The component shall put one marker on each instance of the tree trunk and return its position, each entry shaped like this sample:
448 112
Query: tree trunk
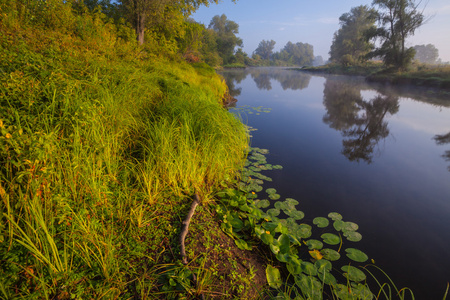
140 28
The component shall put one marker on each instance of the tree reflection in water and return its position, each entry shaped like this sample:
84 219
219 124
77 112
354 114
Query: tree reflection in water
442 140
360 121
288 80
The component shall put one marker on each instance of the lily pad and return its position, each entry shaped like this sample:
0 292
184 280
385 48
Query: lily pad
308 268
335 216
353 236
323 265
273 277
281 205
353 274
311 288
321 222
271 191
314 244
356 255
330 254
291 202
338 225
262 203
277 167
350 226
327 278
274 196
330 238
273 212
304 231
295 214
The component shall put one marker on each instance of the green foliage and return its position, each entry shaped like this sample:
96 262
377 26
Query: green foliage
100 145
226 38
351 43
427 54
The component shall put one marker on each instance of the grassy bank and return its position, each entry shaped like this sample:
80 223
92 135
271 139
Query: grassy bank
429 76
102 145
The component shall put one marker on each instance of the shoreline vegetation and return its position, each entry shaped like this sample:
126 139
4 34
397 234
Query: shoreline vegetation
418 75
103 144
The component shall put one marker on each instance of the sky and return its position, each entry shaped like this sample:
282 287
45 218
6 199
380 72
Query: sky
315 21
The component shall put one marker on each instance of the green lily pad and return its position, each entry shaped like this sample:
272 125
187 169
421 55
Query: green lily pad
273 277
311 288
270 226
330 238
308 268
350 226
295 214
323 265
303 231
321 222
294 268
338 225
277 167
356 255
353 274
314 244
353 236
262 203
362 291
291 203
281 205
273 212
327 278
271 191
284 243
274 196
335 216
330 254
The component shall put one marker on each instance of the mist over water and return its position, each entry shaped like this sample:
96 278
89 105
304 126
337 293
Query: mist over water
378 155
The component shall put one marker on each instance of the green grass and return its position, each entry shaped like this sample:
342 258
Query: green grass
101 147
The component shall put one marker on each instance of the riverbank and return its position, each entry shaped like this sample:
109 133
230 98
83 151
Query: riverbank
102 148
419 75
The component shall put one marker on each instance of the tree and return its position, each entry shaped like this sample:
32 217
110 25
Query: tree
351 43
226 36
398 19
299 54
426 53
265 49
144 14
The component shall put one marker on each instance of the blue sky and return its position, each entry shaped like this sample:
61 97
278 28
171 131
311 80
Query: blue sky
315 21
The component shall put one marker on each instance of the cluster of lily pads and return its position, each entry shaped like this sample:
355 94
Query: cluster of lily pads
311 252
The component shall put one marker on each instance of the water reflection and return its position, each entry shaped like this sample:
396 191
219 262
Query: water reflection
263 79
442 140
361 122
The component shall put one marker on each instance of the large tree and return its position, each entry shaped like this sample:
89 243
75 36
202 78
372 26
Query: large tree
351 43
265 49
426 53
226 36
144 14
299 54
399 19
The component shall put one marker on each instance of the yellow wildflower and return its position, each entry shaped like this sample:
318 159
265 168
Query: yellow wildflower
8 135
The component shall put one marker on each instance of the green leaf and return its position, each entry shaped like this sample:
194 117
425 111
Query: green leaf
353 274
275 249
281 205
234 220
284 243
277 167
308 268
262 203
267 238
274 196
283 257
321 222
330 238
338 225
323 265
294 268
314 244
310 286
273 212
327 278
273 277
291 203
242 244
356 255
362 291
270 226
350 226
295 214
271 191
353 236
330 254
335 216
304 231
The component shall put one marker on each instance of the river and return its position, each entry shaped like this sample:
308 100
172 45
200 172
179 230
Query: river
379 155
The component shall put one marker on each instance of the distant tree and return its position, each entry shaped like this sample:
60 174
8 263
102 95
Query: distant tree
318 61
226 36
299 54
428 54
265 49
351 44
398 19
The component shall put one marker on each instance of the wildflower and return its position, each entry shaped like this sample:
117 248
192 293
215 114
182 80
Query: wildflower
1 123
253 193
268 232
8 135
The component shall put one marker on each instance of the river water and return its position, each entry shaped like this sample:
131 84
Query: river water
378 155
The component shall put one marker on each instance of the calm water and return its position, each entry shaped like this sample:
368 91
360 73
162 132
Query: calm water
379 156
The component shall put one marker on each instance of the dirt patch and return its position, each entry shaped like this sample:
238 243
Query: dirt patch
225 271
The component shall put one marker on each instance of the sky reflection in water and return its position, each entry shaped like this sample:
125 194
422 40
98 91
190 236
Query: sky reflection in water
372 153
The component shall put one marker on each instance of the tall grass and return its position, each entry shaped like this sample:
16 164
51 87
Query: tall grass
96 137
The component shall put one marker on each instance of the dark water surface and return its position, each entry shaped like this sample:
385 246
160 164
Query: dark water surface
378 156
